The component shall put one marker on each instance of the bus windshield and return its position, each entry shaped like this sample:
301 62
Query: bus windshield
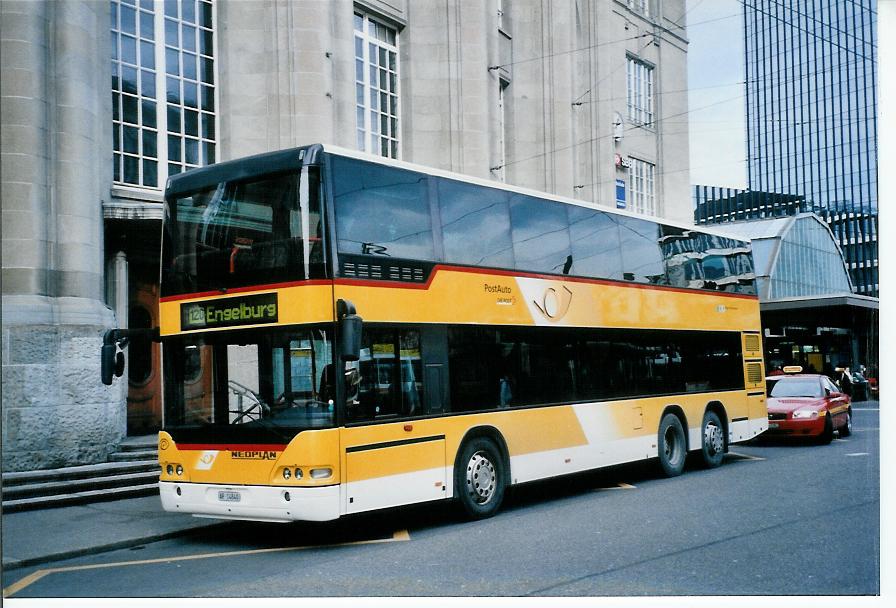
266 229
263 380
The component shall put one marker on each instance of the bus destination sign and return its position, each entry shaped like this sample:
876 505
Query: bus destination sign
229 312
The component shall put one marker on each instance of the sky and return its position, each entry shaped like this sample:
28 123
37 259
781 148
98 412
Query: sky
716 98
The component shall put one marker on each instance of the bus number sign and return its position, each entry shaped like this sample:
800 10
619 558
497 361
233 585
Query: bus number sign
229 312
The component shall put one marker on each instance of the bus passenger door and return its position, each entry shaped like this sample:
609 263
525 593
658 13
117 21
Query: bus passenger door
392 455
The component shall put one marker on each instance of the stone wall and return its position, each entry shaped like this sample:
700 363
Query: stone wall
56 412
55 171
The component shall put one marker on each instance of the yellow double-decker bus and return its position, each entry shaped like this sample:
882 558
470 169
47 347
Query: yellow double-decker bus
343 333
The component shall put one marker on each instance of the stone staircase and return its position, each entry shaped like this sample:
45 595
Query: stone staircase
132 471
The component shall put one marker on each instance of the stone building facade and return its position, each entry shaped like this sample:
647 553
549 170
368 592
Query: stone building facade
103 99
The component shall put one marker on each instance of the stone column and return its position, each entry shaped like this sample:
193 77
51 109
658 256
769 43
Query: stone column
285 75
56 170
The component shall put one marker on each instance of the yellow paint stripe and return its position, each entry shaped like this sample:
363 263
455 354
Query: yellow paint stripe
19 585
398 536
745 456
619 486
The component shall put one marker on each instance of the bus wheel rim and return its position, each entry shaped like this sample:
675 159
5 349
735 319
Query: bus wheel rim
481 478
712 436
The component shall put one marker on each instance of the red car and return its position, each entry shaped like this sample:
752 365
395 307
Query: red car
807 405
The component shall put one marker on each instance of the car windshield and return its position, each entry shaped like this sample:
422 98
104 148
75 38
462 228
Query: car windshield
794 387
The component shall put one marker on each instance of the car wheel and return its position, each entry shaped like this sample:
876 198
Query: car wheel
712 440
846 429
480 478
672 446
828 433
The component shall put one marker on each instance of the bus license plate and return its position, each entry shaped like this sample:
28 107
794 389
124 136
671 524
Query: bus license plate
226 496
772 425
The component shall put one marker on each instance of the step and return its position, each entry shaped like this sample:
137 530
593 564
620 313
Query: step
73 486
79 472
137 455
137 444
61 500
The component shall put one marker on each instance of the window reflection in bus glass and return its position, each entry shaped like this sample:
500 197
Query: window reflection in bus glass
640 244
540 234
475 225
400 227
242 233
594 236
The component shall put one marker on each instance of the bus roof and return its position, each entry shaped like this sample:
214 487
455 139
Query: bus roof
295 158
331 149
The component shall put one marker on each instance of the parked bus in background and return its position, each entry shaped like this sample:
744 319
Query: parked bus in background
343 333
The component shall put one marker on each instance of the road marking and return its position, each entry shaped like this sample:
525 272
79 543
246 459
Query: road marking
397 536
857 454
619 486
866 430
744 456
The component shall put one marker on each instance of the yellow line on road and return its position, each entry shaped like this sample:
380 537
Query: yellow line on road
745 456
19 585
619 486
398 536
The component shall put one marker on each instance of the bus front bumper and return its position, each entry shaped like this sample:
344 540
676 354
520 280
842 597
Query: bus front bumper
256 503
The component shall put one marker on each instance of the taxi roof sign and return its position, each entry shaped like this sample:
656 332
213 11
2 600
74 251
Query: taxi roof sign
793 369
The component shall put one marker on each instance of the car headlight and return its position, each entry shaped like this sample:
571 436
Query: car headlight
805 414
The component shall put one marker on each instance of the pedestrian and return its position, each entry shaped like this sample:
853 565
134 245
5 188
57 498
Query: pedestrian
846 382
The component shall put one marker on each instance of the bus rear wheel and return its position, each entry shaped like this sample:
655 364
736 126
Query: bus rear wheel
480 478
672 446
712 439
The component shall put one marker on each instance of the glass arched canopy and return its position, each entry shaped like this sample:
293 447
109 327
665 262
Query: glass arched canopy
794 257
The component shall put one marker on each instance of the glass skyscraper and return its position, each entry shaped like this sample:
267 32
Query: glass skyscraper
811 100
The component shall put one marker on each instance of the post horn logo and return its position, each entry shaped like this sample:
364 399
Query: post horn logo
554 303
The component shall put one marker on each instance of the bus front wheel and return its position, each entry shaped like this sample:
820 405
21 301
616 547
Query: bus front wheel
480 478
672 446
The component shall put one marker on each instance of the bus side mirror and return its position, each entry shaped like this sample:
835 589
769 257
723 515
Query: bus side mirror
111 360
108 363
111 363
350 337
350 325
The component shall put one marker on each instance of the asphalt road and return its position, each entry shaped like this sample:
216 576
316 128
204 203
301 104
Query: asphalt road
776 519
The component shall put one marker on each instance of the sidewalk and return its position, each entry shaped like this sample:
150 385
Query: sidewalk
38 537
